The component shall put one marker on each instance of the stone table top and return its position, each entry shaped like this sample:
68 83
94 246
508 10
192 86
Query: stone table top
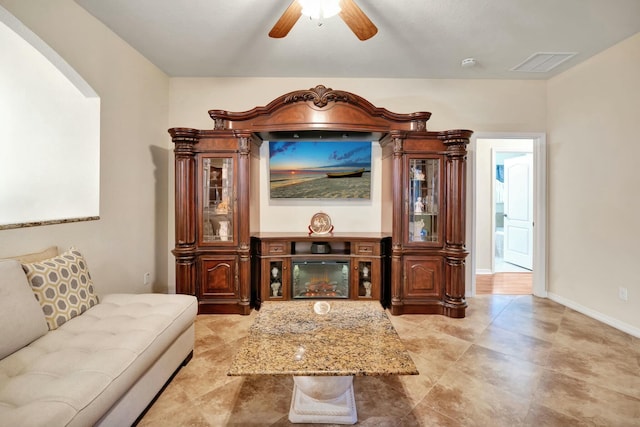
353 338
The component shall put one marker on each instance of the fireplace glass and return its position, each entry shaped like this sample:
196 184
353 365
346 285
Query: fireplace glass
320 279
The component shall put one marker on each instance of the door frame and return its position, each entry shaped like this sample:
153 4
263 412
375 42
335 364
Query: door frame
539 210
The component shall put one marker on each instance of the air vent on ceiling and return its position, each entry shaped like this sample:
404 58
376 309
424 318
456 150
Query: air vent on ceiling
543 62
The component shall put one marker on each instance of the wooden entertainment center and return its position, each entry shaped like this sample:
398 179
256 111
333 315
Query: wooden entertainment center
415 264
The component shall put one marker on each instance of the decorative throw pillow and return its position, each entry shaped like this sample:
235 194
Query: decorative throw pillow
50 252
62 285
21 319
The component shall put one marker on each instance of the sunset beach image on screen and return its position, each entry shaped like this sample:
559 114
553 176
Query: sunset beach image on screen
320 169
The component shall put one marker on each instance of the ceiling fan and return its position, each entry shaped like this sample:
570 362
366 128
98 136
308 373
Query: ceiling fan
349 11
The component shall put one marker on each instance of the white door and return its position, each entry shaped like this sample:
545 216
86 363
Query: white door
518 211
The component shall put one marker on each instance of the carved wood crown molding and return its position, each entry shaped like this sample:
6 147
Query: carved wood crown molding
314 106
244 146
397 145
218 124
320 96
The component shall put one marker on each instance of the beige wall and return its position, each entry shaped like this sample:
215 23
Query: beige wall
594 184
591 112
131 236
479 105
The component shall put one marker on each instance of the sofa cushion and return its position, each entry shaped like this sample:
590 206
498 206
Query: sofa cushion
50 252
21 318
74 374
62 285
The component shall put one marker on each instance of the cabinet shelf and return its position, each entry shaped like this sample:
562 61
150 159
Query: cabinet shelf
331 255
213 212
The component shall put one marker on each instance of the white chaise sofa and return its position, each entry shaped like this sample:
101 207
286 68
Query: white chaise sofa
100 362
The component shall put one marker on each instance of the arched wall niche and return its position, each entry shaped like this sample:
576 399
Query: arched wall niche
50 116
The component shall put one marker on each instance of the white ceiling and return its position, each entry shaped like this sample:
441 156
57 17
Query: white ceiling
416 38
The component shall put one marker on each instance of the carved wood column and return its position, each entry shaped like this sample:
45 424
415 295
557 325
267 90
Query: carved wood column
185 215
455 251
399 198
241 198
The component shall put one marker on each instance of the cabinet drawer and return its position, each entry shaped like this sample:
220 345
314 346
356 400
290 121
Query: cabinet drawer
367 248
275 248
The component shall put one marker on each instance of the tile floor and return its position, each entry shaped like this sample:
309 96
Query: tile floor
513 361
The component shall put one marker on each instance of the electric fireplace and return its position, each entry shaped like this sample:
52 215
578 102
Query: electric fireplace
320 279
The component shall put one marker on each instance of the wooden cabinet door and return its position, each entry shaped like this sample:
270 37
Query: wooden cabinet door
218 277
423 277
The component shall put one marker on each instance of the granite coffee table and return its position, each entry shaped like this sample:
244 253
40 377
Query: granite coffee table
323 352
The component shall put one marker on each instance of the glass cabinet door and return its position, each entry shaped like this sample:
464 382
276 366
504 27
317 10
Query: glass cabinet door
423 223
276 279
365 271
217 214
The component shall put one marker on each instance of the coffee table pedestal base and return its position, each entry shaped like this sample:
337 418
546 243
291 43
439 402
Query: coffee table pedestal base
323 399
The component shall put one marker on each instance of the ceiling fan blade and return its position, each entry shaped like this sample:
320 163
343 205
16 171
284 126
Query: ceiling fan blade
287 20
355 19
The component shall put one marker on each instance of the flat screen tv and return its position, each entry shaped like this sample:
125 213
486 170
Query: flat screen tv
320 169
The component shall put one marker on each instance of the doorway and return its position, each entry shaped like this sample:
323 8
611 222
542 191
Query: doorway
507 253
513 208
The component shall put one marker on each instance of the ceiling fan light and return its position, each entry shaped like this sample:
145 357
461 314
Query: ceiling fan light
320 9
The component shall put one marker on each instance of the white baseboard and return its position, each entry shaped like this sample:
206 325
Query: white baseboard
482 271
615 323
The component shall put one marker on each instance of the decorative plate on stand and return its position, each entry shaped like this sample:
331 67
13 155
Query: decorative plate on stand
320 224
